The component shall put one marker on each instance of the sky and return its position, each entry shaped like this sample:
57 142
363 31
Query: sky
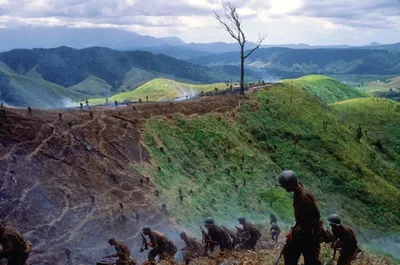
316 22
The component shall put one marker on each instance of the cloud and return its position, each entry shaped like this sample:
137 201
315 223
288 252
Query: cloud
192 19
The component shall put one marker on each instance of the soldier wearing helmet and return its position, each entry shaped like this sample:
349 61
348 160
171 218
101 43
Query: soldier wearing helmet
253 232
217 235
344 239
193 247
123 253
160 244
304 237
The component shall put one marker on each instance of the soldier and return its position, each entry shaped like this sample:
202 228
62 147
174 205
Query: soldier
275 232
345 239
234 237
29 111
123 253
147 98
193 247
91 114
272 219
107 101
70 124
14 247
116 103
137 216
60 116
121 206
253 231
87 103
217 235
81 106
160 244
304 236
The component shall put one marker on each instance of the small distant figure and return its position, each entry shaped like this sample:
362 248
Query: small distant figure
91 114
137 217
116 103
15 248
70 124
1 105
157 193
236 187
181 198
60 116
14 158
186 96
147 98
92 198
169 160
107 101
141 182
134 108
81 106
202 93
272 219
180 191
87 103
121 206
12 171
170 104
148 180
275 232
163 207
191 192
244 181
29 111
140 100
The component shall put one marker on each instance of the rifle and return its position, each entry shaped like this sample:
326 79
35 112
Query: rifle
280 255
239 229
206 240
145 245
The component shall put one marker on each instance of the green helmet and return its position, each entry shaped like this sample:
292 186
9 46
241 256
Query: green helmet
146 229
208 221
334 219
288 179
241 219
182 235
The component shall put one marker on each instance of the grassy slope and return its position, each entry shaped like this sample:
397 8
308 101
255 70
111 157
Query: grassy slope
37 92
92 86
383 86
160 89
325 88
347 177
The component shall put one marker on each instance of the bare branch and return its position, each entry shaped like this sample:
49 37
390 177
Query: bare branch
227 27
259 42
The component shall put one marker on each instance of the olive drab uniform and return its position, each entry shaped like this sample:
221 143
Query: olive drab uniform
234 237
347 243
193 248
123 254
305 235
254 234
14 247
220 237
162 246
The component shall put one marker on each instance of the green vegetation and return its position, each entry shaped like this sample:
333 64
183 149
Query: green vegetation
160 89
92 86
273 131
325 88
35 92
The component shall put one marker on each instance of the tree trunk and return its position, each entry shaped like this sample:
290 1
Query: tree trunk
242 69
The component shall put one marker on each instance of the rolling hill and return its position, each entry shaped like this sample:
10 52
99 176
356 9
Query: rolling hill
160 89
223 152
306 61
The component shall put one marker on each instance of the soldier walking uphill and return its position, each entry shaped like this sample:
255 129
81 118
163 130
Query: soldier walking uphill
275 232
343 239
304 236
123 253
217 236
160 244
193 247
253 232
14 247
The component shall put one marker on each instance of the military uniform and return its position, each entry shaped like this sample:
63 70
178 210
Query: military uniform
272 219
254 234
162 246
193 248
347 243
275 232
14 247
304 238
234 237
123 254
220 237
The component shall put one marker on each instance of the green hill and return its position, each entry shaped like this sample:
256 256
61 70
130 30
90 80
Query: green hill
270 132
35 92
92 86
160 89
325 88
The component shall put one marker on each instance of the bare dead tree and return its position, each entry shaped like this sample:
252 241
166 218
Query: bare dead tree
233 25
